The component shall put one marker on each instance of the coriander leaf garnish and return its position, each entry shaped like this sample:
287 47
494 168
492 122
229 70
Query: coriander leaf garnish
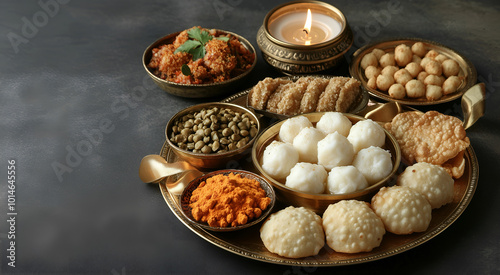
185 70
202 36
188 46
196 46
223 38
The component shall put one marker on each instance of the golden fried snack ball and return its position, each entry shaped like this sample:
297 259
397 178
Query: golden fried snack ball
450 67
387 60
369 60
415 88
384 82
418 49
402 55
397 91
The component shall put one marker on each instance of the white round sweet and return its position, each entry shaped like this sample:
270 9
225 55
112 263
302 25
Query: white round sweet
366 133
307 177
293 232
430 180
335 150
402 210
345 179
374 163
278 158
351 226
292 126
306 143
331 122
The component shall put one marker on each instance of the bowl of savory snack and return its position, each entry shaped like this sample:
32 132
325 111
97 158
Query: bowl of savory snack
209 135
316 159
199 62
227 200
412 71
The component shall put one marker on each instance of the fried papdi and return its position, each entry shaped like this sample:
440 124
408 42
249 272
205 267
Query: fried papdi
431 137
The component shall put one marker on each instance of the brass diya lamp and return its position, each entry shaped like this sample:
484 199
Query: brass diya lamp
304 37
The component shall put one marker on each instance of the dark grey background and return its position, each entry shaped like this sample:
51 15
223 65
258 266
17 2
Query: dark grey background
78 68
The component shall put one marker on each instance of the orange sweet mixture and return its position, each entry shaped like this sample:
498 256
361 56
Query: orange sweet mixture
221 60
228 200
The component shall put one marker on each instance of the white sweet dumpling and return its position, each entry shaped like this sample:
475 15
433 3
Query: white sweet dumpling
331 122
378 53
335 150
366 133
307 177
293 232
374 163
279 158
402 210
292 126
345 179
430 180
351 226
306 143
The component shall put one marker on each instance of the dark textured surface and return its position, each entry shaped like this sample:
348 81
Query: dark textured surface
73 80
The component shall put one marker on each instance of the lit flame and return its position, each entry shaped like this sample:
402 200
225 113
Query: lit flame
307 26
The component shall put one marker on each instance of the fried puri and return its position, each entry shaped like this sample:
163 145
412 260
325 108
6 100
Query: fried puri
431 137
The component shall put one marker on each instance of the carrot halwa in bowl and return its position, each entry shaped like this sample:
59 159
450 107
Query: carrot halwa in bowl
199 62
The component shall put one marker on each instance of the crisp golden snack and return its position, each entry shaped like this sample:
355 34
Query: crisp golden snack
259 95
328 99
431 137
305 95
311 96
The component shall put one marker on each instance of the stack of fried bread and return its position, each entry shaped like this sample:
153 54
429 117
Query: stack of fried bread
306 94
431 137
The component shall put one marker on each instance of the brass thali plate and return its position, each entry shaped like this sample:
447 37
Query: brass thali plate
247 242
467 70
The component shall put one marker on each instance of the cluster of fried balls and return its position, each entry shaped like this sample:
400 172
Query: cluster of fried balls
411 72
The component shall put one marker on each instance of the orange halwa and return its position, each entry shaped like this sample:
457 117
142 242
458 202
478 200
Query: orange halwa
228 200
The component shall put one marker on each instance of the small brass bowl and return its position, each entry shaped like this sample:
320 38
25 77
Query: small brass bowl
197 90
211 160
188 191
292 59
319 202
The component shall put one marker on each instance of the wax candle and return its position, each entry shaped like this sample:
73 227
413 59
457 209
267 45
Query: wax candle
290 27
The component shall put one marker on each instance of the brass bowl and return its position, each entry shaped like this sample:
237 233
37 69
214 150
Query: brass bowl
197 90
212 160
319 202
188 191
467 70
294 59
